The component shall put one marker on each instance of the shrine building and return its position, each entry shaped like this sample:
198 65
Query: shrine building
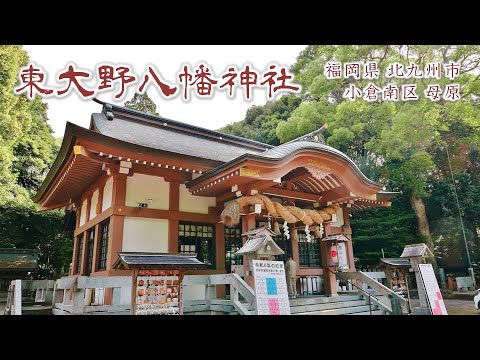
144 183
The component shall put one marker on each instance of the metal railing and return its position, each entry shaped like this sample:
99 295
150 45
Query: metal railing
370 296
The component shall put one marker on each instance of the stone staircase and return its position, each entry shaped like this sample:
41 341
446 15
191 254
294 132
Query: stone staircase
345 304
352 304
243 298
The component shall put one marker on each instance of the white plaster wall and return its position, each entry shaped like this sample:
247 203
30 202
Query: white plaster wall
194 292
194 204
83 213
107 194
93 205
141 187
144 234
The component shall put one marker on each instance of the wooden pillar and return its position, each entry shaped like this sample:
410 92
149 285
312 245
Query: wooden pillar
75 254
98 208
79 215
83 264
329 279
96 248
248 223
173 236
115 235
220 256
348 244
295 251
295 255
174 196
89 204
173 205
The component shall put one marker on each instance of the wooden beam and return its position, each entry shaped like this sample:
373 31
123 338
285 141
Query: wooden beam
82 151
292 194
296 174
341 193
259 185
225 197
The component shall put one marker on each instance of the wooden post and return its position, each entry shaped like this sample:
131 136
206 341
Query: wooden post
75 254
173 205
173 236
220 257
329 279
95 248
248 223
83 264
348 244
133 306
98 208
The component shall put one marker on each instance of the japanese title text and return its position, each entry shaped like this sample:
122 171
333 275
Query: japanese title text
197 81
407 91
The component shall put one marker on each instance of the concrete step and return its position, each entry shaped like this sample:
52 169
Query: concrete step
374 312
324 299
353 310
327 306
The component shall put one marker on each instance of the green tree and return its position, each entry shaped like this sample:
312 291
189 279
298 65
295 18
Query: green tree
396 142
261 121
143 103
27 150
388 229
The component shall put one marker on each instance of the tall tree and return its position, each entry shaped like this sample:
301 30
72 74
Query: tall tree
143 103
261 121
27 150
394 141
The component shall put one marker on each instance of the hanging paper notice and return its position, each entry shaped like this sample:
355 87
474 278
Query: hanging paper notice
270 288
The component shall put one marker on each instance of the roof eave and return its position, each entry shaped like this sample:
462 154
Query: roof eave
260 158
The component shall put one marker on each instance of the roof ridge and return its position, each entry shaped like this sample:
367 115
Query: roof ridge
156 119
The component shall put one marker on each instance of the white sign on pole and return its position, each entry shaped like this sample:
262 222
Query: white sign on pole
434 296
270 287
342 256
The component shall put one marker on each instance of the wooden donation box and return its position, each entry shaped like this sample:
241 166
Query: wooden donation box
157 280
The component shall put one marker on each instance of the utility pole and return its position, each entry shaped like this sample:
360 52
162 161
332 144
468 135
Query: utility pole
470 268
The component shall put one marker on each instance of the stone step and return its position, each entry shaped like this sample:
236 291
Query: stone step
324 299
328 306
353 310
374 312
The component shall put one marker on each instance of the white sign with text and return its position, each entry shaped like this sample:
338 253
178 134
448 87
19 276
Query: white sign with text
434 296
270 287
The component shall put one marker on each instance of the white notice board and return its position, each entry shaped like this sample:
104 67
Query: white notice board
434 296
270 287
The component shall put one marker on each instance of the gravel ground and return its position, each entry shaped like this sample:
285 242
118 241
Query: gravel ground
461 307
456 307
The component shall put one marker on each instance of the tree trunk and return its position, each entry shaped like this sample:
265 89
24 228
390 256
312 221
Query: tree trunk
423 227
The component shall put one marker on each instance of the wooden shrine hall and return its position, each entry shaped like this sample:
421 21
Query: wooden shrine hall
144 183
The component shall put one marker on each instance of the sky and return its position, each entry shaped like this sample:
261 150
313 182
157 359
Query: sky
210 113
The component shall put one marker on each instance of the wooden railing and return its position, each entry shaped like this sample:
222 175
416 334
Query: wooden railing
388 299
209 302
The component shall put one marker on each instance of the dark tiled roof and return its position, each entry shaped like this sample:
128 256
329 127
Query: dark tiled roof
18 260
131 260
283 151
173 136
286 149
397 262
